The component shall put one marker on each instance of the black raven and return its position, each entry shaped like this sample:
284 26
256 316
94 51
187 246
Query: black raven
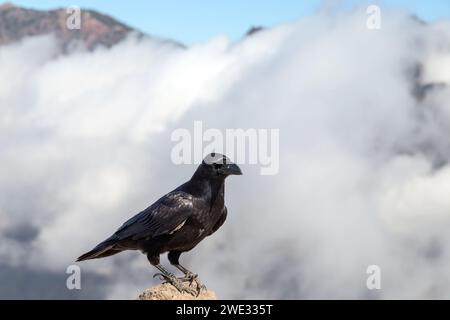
177 222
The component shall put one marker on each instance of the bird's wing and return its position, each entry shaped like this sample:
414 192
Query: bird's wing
165 216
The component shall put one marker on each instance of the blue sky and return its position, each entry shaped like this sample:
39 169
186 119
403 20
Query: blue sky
198 20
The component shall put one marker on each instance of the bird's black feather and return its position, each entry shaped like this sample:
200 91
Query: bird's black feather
162 217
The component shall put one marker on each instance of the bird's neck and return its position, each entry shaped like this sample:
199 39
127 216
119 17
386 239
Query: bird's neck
217 190
211 187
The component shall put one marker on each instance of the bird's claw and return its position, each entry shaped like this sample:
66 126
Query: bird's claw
191 278
190 290
182 288
177 283
161 277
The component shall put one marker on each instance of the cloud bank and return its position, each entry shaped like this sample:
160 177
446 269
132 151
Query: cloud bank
364 160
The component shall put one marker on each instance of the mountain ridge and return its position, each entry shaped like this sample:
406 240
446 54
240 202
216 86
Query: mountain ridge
96 29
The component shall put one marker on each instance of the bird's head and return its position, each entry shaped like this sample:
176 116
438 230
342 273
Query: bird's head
218 165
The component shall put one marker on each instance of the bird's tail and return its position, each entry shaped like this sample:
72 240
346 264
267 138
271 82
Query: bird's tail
104 249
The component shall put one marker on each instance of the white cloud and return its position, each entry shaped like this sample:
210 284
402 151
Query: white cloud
363 179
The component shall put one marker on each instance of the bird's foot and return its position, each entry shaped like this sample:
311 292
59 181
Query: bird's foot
177 283
191 278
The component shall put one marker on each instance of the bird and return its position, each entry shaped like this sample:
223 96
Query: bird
176 222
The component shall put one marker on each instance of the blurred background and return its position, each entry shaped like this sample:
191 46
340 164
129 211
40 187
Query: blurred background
86 117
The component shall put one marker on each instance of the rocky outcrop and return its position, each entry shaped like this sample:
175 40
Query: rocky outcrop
95 30
166 291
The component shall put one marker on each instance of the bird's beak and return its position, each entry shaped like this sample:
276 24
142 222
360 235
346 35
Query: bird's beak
232 169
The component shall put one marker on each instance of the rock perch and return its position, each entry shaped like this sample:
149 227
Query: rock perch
167 291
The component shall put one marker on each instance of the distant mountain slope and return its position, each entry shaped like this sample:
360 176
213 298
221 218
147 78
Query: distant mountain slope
96 29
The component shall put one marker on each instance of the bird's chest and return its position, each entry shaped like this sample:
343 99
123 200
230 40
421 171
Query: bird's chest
206 219
199 225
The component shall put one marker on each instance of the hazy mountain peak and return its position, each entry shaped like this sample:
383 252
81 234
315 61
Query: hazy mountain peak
96 29
253 30
7 5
